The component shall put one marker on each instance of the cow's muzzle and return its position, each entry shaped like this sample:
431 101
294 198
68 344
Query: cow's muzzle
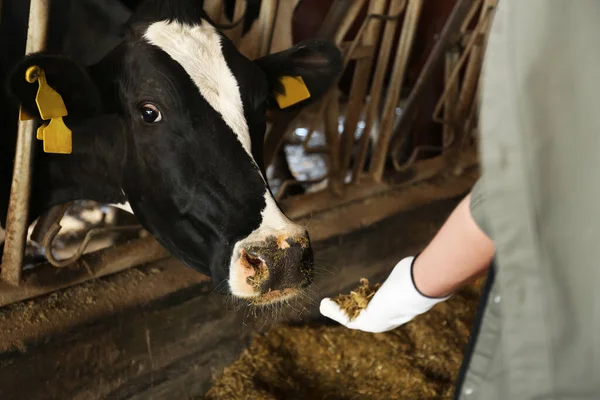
274 269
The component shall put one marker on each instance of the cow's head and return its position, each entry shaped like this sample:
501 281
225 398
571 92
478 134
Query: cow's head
190 112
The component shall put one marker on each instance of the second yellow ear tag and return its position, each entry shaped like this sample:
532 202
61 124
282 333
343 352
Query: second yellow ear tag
40 132
295 91
57 137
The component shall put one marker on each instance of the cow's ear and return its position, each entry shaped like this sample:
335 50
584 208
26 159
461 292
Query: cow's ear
70 80
317 62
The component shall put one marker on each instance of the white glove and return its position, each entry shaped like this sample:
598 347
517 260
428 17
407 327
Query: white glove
395 303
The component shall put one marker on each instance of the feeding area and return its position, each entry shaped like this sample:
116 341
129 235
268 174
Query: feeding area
105 283
420 360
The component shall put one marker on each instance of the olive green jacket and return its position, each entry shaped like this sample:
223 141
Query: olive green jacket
539 200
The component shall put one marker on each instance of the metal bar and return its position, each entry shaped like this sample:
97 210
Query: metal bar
333 144
360 81
282 31
311 205
468 89
472 52
239 14
213 8
45 279
472 12
276 134
335 180
49 240
456 154
240 11
335 17
437 56
450 104
376 88
350 50
17 218
329 104
257 41
350 15
358 51
453 78
473 68
46 221
268 25
349 54
409 27
289 182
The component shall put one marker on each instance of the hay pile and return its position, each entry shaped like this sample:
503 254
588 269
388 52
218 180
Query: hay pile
419 360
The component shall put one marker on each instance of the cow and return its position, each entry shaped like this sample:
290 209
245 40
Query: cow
170 124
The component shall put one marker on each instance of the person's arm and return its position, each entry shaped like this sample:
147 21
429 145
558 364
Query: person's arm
458 254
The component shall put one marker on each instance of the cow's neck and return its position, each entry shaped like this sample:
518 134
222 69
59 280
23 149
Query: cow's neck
91 172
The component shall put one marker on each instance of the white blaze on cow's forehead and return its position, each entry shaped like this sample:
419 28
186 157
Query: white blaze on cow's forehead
274 219
197 48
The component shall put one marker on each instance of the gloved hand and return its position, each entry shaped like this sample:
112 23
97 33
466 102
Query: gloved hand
395 303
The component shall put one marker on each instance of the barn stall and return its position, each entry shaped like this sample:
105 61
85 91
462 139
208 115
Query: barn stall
93 307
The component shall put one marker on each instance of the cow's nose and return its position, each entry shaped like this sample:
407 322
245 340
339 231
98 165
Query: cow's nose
279 263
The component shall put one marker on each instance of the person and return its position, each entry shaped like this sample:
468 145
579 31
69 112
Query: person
532 221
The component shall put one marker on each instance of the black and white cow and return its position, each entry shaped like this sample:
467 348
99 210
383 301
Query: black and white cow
171 124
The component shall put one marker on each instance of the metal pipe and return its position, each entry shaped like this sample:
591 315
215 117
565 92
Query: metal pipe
49 240
46 278
473 52
46 221
383 58
17 217
360 85
407 36
424 81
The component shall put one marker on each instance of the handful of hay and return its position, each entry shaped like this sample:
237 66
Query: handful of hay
358 299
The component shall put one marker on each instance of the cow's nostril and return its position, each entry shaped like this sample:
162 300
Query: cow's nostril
250 259
256 270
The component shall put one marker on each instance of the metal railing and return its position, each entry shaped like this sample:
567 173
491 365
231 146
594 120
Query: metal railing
350 175
18 210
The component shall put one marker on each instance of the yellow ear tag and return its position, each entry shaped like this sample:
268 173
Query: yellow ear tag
49 102
56 135
295 91
40 132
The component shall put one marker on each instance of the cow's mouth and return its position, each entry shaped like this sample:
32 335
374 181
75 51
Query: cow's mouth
274 297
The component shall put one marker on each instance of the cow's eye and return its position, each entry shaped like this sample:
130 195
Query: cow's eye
150 113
